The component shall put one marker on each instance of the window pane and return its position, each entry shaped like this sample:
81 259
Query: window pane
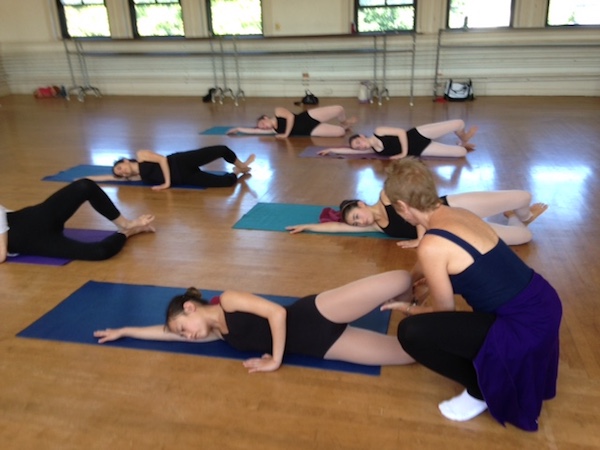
236 17
574 12
159 19
386 18
87 18
479 13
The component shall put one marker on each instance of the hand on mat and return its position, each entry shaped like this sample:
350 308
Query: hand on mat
233 131
108 335
293 229
324 152
264 364
412 243
161 187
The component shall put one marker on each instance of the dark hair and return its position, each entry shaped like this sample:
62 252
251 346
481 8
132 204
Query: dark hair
119 161
346 206
264 116
175 306
351 138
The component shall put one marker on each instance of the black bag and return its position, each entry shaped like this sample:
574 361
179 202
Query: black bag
457 91
308 99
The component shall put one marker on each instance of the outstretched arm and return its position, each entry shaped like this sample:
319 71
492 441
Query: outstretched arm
242 130
343 151
331 227
150 156
150 333
276 316
290 119
110 178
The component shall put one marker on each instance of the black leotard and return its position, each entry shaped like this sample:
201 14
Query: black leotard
417 143
400 228
304 124
308 332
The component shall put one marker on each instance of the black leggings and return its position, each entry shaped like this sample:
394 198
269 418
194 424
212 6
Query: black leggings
447 343
38 230
187 166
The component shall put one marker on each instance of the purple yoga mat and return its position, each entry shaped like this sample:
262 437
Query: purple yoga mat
312 152
73 233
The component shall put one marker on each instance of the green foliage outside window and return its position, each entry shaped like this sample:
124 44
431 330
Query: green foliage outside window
236 17
571 12
155 19
86 18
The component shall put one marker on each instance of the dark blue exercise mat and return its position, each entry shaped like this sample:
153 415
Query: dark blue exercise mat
277 216
85 170
99 305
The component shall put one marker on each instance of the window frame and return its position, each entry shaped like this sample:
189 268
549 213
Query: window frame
64 29
358 7
510 25
134 25
547 25
211 31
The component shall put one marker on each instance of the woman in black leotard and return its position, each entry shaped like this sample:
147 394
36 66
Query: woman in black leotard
308 123
316 325
397 143
38 230
505 351
358 216
178 169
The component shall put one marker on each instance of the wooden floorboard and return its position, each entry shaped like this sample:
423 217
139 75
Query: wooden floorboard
61 396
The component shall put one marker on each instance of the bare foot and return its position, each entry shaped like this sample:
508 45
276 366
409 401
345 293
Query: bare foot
536 210
136 226
138 229
466 136
244 167
347 124
468 146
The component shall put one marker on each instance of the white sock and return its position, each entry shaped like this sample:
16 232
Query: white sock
462 407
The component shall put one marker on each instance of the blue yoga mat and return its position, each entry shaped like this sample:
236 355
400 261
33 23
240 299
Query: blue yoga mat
277 216
73 233
84 170
99 305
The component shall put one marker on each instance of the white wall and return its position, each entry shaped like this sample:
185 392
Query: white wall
563 61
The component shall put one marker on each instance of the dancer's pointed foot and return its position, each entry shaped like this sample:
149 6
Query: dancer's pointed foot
466 136
139 225
347 124
244 166
536 210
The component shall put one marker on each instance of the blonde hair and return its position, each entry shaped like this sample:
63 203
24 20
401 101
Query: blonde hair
410 181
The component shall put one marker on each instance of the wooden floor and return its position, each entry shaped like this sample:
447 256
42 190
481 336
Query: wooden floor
69 396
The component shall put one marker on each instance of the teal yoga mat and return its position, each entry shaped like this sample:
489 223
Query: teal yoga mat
277 216
99 305
222 131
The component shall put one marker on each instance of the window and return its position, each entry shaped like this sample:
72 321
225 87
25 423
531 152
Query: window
573 12
376 16
83 18
235 17
479 13
156 18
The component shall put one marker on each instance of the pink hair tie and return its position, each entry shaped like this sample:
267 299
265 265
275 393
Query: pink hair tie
215 300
